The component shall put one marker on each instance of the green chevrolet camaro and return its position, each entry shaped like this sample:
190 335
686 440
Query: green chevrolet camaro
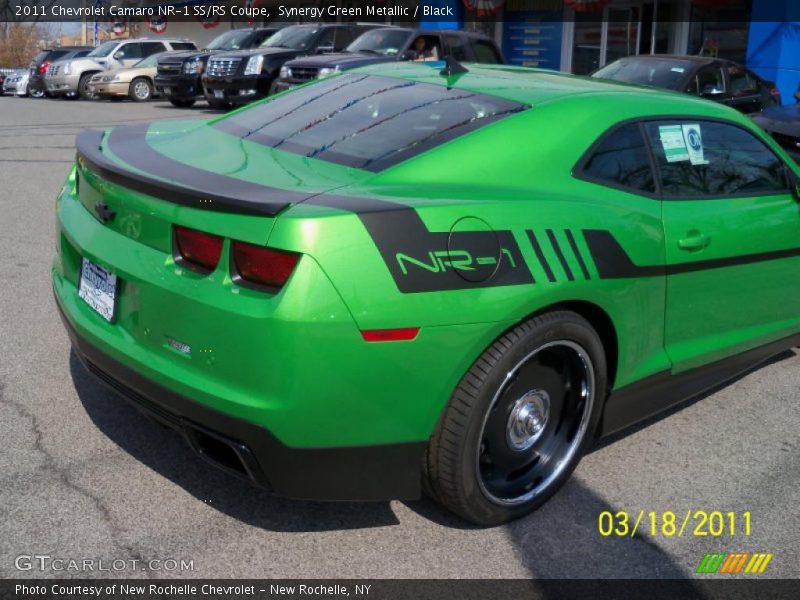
410 278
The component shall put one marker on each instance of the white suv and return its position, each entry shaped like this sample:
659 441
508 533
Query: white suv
71 77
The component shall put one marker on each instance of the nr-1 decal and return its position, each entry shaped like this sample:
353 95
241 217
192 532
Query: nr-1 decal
420 260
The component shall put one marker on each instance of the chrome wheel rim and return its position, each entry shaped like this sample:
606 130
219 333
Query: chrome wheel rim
141 90
536 423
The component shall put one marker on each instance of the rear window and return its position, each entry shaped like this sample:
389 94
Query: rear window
658 73
366 122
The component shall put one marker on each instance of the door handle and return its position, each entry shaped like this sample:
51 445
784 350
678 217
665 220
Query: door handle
694 241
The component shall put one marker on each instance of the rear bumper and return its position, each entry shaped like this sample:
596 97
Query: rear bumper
366 473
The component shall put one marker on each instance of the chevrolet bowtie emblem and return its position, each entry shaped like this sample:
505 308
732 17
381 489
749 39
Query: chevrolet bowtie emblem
104 212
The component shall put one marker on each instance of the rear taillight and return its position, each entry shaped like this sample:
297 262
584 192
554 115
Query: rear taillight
43 68
259 267
196 250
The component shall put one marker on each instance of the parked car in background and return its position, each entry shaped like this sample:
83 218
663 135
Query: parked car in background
178 74
135 82
71 77
387 44
783 124
716 79
17 83
42 61
240 77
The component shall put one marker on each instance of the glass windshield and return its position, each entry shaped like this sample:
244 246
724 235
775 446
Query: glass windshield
387 42
231 40
366 122
660 73
104 49
297 37
150 61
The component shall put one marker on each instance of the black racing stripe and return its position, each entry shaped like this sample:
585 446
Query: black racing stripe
540 255
613 262
574 246
217 191
560 255
89 155
731 261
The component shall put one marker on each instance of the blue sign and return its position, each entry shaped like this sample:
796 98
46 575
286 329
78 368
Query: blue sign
533 38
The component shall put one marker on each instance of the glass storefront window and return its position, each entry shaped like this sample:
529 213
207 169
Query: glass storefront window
720 32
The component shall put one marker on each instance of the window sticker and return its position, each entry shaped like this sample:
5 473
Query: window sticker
674 143
694 143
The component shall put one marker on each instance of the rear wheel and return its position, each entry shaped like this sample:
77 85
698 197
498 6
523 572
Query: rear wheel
141 90
35 92
181 103
519 420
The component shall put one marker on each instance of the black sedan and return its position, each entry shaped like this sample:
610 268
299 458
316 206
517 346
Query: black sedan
713 78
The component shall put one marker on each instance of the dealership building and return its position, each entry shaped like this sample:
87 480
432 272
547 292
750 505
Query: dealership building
578 36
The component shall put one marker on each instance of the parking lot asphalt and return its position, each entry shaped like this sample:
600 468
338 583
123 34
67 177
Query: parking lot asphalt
83 475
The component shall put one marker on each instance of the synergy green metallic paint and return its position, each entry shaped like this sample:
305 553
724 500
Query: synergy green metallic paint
462 240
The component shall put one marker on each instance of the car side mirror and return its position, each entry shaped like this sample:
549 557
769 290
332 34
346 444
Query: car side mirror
119 55
325 49
407 55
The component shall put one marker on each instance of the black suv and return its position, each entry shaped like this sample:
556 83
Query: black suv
178 73
241 77
388 44
41 62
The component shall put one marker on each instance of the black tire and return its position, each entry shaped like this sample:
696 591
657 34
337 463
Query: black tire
181 103
506 443
140 90
217 105
83 87
36 92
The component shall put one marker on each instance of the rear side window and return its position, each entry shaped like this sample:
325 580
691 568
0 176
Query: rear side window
620 159
485 52
149 48
367 122
740 81
697 159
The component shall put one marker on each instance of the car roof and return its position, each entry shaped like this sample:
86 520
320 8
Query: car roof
538 86
704 60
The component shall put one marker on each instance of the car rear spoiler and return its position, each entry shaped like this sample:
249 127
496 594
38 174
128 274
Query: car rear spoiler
217 192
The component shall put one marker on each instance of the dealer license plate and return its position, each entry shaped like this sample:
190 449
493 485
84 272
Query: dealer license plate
98 288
